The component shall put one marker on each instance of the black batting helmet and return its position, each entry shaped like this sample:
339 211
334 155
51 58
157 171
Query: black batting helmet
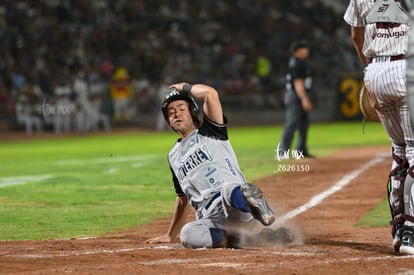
174 95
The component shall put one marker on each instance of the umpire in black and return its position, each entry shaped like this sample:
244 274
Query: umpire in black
297 100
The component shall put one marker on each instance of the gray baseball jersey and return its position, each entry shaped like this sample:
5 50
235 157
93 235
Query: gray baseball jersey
203 162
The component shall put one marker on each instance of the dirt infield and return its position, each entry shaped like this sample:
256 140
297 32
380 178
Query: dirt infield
328 242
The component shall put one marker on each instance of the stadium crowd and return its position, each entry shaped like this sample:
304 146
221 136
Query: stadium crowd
84 65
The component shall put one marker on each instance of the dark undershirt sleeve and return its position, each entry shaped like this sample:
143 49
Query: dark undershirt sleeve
214 130
177 185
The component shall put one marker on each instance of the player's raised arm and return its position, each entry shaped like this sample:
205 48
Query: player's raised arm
212 107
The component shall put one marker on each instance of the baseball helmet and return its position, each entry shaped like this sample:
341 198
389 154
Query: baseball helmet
174 95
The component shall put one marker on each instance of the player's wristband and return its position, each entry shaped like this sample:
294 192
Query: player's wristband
187 88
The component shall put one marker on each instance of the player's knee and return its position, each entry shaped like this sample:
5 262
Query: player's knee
195 235
191 238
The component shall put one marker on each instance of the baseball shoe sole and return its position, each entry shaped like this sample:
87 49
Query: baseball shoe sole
257 203
407 250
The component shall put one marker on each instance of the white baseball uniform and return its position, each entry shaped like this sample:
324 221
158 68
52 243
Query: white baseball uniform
385 46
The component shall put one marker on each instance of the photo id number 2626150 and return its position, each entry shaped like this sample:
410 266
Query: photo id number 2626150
292 168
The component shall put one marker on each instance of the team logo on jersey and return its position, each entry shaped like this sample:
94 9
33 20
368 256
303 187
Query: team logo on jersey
388 34
230 166
210 171
198 157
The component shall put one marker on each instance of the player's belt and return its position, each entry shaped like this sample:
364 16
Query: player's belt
385 58
212 199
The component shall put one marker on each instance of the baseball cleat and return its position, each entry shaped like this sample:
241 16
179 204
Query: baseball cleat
257 203
407 237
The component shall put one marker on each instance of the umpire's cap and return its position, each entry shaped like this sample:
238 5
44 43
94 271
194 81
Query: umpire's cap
297 44
174 95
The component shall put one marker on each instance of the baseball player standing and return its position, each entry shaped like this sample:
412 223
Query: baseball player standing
207 176
379 31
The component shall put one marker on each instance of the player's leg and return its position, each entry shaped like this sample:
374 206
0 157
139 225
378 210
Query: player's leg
293 116
391 103
303 126
237 206
395 192
241 214
203 233
209 230
247 198
407 231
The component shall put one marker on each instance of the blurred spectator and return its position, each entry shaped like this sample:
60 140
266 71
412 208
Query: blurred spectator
82 117
97 96
152 40
3 102
28 108
121 91
64 107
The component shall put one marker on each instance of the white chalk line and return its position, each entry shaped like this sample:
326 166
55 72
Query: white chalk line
89 252
211 262
109 159
138 162
135 165
335 188
111 170
11 181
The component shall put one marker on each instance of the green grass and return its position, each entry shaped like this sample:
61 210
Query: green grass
377 217
94 185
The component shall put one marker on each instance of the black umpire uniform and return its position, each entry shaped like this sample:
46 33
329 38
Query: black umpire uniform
297 117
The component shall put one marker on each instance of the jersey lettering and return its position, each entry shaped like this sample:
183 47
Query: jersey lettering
389 34
200 156
230 166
